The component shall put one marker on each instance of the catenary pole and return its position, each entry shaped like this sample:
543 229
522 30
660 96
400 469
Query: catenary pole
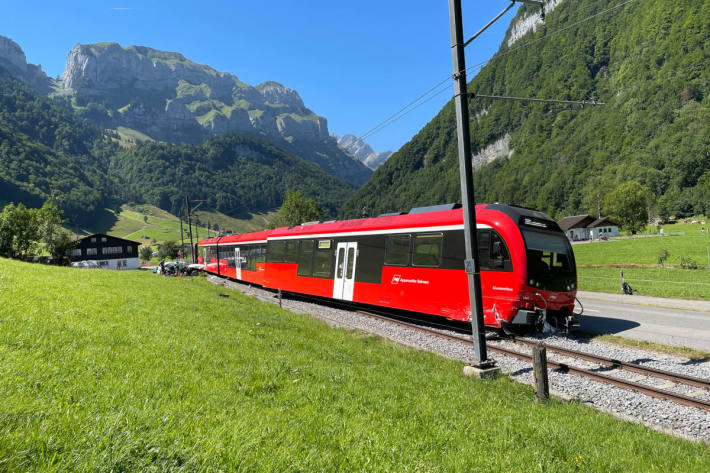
189 229
466 173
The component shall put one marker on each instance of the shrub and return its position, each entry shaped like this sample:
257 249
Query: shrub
663 255
688 263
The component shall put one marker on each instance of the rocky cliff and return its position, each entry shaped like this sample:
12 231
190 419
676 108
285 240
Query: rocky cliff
170 98
363 151
13 59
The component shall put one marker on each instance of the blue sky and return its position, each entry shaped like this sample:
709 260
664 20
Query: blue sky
355 63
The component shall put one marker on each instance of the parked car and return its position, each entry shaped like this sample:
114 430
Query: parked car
90 264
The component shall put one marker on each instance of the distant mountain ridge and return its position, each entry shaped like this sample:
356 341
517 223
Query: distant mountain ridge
170 98
363 151
13 60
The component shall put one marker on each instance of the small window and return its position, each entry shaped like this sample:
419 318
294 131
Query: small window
76 252
129 249
397 250
427 250
341 259
305 258
103 239
93 240
291 252
91 252
351 263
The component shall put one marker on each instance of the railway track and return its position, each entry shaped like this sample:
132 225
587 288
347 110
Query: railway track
569 368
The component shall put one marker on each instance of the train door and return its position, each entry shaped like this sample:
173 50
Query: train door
345 261
238 263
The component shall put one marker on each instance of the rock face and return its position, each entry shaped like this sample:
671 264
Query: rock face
170 98
530 23
13 60
363 151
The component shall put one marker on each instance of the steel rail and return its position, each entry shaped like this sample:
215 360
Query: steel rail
629 385
625 365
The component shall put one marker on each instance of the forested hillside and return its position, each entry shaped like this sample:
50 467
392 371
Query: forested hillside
648 61
46 151
235 174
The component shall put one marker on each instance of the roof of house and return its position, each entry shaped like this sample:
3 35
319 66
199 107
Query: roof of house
584 221
577 221
602 222
95 235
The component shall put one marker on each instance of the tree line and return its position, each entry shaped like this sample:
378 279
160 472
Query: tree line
26 232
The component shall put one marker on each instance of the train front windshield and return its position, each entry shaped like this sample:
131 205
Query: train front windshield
550 261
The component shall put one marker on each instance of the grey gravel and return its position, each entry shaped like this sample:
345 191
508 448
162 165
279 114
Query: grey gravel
665 416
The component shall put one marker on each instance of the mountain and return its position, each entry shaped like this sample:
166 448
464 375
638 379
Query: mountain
47 151
170 98
14 63
649 62
362 151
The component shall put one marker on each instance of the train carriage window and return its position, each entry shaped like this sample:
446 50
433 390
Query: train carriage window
351 261
323 260
341 255
276 251
484 245
427 250
397 250
305 258
499 256
291 252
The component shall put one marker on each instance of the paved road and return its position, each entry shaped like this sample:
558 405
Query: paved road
669 321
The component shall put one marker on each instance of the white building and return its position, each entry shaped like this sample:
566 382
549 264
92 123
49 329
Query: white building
586 227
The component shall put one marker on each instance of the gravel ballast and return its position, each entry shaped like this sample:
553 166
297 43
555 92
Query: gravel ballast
665 416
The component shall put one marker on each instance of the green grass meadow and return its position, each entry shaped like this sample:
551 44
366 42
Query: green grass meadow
599 263
128 371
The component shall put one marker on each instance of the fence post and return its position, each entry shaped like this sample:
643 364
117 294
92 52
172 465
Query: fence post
279 297
542 390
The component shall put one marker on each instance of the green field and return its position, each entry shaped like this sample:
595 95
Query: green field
599 263
110 371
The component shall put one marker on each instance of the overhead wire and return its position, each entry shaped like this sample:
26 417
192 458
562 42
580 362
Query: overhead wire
441 86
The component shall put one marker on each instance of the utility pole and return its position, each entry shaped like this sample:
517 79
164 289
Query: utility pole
189 228
182 238
480 357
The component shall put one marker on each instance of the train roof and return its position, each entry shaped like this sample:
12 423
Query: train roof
435 220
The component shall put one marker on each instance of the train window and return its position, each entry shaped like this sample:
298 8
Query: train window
276 251
351 262
484 244
323 260
397 250
493 254
305 258
341 255
291 252
427 250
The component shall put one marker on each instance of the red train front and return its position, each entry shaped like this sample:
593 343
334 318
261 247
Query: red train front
415 262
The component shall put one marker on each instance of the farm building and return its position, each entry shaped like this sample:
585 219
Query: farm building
587 227
108 251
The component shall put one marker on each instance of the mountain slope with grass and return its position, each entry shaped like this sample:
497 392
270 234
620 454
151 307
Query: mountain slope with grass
649 62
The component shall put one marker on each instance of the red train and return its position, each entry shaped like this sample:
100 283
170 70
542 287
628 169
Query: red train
415 262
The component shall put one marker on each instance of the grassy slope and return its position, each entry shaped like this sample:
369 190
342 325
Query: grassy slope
118 374
163 226
599 263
